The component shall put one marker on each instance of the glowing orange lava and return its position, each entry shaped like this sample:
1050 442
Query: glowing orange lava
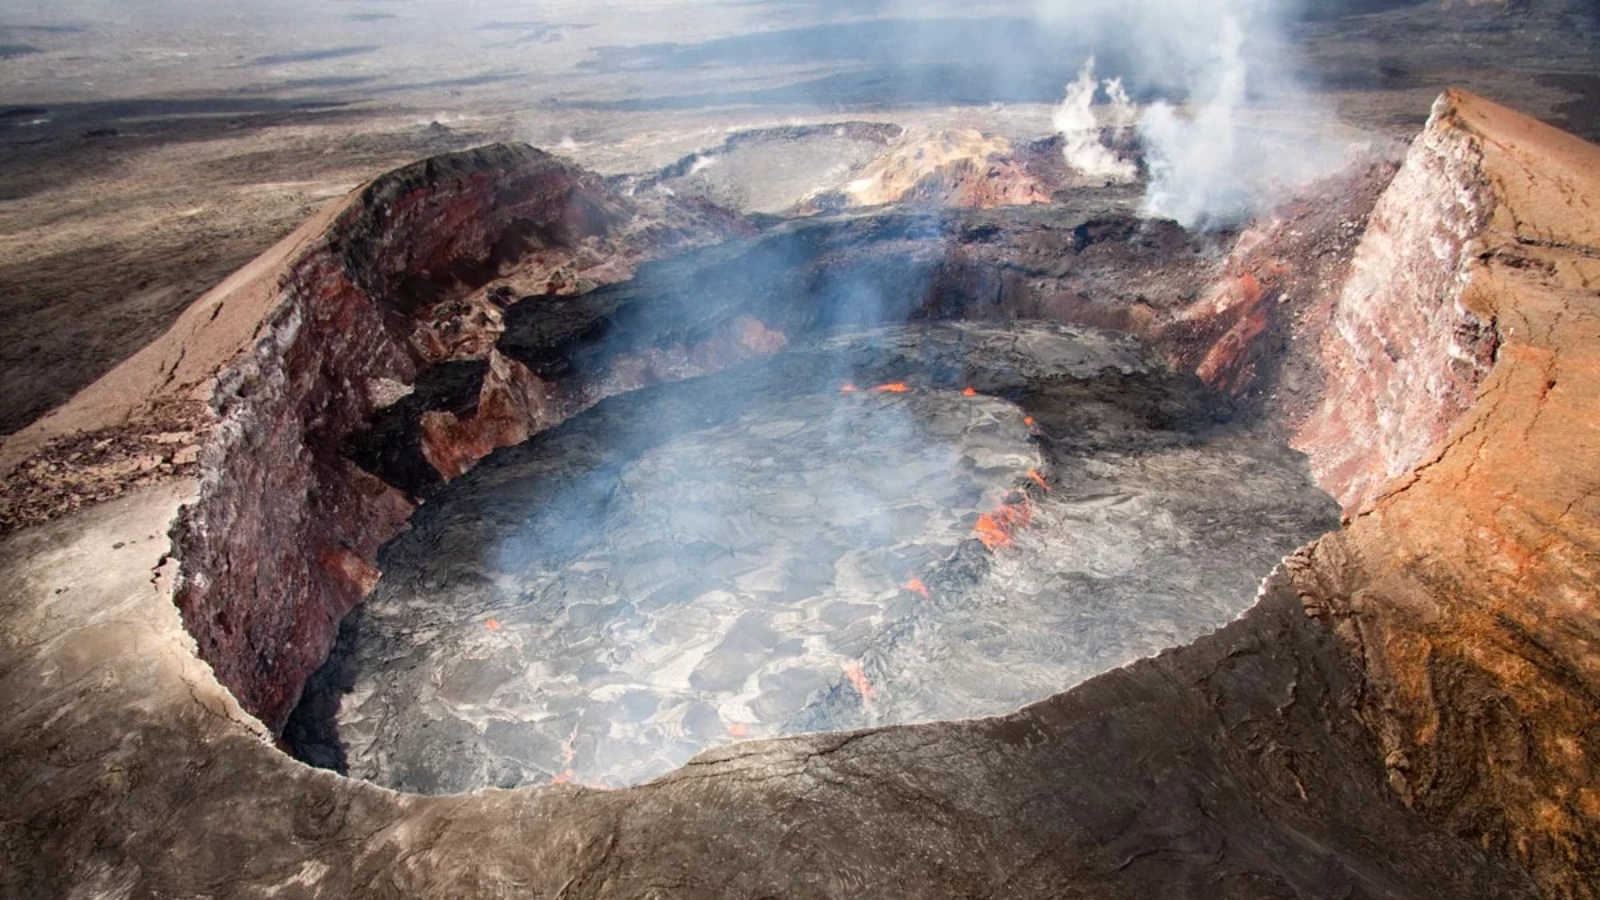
738 730
1028 421
970 392
492 624
1039 479
997 528
858 680
893 387
848 389
916 586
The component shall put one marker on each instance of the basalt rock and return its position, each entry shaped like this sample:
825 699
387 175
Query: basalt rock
335 326
716 306
1406 348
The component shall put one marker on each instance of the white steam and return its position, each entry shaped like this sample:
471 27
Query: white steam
1197 174
1239 129
1080 128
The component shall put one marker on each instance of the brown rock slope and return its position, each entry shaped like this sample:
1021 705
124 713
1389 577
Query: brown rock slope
1468 586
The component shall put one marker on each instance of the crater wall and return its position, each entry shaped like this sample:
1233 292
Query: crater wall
1465 585
1406 347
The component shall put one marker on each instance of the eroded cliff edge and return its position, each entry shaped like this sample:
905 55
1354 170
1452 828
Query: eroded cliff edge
1424 732
1465 584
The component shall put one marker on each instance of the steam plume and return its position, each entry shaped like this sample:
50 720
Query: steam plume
1080 129
1211 157
1194 162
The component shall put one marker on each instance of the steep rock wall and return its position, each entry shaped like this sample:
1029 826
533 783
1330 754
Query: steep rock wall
1468 589
282 541
1405 350
1255 334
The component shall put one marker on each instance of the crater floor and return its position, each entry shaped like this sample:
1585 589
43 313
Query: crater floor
909 524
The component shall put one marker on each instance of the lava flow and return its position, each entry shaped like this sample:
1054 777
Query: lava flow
998 528
858 680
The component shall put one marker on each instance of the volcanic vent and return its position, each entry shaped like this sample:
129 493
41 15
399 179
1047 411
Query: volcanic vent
813 479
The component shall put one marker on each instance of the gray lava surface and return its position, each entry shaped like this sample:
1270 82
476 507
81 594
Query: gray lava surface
785 548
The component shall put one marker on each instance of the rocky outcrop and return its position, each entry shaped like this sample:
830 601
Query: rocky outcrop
1437 392
1406 348
810 169
1466 587
1255 333
961 168
277 371
281 543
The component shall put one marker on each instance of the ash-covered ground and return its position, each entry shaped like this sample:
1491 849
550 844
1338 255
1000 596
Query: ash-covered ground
908 524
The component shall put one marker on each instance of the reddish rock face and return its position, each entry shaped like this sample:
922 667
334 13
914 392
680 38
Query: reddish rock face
1436 378
1467 347
1405 351
513 404
1256 332
281 544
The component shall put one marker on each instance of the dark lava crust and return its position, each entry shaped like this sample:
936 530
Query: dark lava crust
526 626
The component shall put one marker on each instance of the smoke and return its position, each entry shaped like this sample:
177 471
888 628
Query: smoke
1231 126
1195 164
1080 129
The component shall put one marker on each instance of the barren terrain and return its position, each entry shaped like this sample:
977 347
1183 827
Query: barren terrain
146 153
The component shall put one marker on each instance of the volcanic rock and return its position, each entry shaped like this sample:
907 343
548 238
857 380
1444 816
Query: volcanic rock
1465 583
285 354
962 168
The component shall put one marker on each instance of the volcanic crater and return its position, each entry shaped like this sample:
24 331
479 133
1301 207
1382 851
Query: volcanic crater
907 523
501 474
822 474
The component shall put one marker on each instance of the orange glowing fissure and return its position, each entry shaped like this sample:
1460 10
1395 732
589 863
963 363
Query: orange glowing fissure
997 529
858 680
916 586
900 387
1039 480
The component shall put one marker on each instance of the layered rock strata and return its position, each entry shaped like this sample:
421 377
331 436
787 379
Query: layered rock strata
283 365
1466 584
